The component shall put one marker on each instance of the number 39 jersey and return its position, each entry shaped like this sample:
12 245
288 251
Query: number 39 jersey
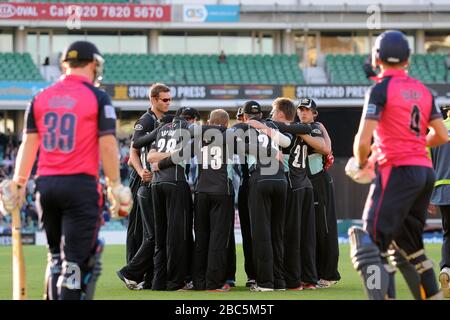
69 117
403 107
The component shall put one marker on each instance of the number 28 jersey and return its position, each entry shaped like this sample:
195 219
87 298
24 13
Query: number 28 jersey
69 118
168 139
403 107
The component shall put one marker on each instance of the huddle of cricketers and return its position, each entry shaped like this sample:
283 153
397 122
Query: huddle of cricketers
182 238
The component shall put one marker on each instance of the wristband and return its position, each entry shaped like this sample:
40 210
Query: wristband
21 181
112 183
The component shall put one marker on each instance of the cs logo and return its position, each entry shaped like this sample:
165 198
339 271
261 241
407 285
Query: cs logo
195 13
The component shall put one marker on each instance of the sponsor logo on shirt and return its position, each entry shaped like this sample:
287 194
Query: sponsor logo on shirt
371 109
138 127
110 113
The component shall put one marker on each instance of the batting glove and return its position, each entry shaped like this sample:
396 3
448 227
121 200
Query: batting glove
329 160
360 175
120 199
12 196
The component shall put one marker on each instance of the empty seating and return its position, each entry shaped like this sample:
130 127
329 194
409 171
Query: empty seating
18 67
429 68
348 69
202 69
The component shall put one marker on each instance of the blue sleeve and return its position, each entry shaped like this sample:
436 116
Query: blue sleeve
375 100
435 112
30 121
106 115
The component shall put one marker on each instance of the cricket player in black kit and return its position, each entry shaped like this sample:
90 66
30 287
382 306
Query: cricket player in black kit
327 246
300 206
244 215
214 208
134 229
267 201
313 163
138 273
172 207
213 205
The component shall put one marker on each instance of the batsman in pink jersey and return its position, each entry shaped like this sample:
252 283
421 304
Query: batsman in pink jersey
72 124
398 112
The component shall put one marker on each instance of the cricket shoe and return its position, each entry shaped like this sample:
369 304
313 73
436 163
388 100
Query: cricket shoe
257 288
231 283
225 288
130 284
250 283
321 284
300 288
309 286
444 279
188 286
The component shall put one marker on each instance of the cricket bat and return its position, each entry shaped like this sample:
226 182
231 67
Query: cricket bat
19 280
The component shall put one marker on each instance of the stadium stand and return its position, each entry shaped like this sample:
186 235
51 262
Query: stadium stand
238 69
18 67
203 69
348 69
429 68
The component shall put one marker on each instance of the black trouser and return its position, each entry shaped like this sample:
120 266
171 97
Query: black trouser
267 203
142 263
135 228
445 213
173 234
327 242
397 210
231 251
244 218
73 216
212 227
299 238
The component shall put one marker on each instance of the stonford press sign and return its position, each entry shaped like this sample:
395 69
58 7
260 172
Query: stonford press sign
85 11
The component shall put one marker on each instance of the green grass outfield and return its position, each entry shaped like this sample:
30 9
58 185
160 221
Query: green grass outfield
110 287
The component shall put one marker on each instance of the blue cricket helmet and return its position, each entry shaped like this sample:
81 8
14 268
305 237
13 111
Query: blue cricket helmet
391 47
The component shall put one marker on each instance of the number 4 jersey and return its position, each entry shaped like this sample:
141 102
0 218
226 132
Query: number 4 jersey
403 107
69 117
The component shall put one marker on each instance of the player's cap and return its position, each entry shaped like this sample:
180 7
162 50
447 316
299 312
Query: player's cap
307 103
167 118
179 111
190 113
251 107
240 112
81 51
392 47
